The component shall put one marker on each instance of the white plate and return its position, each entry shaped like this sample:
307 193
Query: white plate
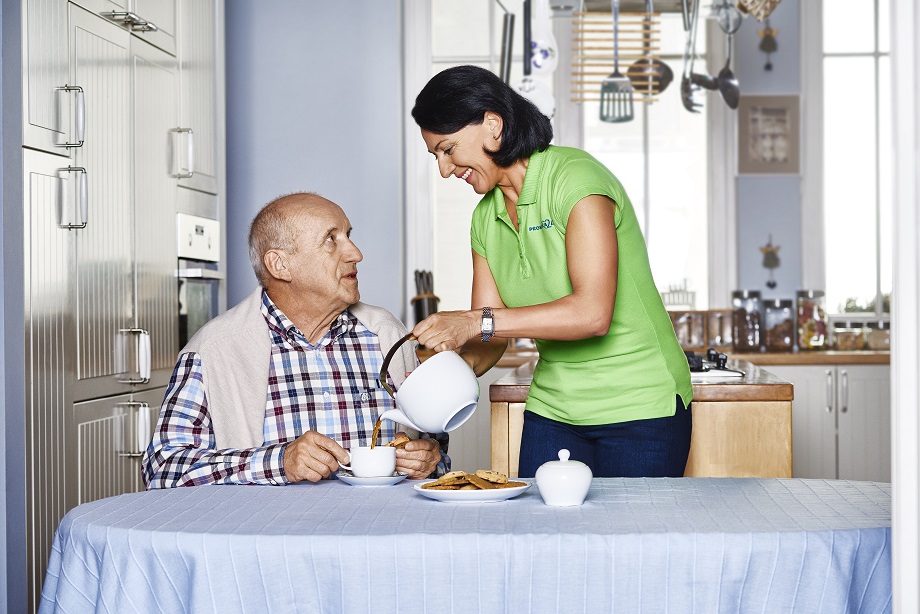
387 480
472 496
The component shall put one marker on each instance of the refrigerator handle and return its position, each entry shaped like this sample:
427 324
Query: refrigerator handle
79 116
82 196
142 351
143 429
844 391
184 171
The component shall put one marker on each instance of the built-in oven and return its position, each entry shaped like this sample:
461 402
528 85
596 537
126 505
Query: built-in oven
198 272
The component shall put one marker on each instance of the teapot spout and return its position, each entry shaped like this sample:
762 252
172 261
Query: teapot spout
396 415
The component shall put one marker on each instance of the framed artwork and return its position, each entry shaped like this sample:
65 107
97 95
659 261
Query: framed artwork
768 135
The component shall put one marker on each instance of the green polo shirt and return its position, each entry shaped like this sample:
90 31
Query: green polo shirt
638 368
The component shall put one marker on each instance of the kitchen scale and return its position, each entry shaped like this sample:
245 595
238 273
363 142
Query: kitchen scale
713 365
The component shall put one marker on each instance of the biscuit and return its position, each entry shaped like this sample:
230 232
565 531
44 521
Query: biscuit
399 442
451 474
468 487
510 484
492 476
436 486
481 483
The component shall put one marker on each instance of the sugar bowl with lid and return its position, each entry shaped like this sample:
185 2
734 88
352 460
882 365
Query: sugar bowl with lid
564 482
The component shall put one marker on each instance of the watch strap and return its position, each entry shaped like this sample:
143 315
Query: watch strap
488 324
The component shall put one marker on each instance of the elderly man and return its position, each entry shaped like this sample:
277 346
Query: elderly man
276 389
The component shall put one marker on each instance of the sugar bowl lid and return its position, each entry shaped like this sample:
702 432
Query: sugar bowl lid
564 466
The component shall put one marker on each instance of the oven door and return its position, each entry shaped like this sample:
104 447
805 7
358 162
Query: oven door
199 283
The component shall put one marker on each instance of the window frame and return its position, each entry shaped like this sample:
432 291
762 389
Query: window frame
814 259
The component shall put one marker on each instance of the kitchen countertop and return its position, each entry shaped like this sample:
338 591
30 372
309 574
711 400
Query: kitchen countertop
830 357
756 385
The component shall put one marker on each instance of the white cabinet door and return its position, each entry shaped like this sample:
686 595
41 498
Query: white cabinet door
864 422
200 43
49 355
164 15
110 436
814 440
103 270
153 124
46 106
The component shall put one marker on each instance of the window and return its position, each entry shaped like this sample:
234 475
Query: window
851 93
662 157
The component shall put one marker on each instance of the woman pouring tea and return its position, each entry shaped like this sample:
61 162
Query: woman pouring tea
559 257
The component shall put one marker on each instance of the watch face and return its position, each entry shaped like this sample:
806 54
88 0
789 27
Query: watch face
487 325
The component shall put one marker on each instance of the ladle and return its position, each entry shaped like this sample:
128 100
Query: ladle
649 75
728 83
688 88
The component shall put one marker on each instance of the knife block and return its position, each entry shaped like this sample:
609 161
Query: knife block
424 305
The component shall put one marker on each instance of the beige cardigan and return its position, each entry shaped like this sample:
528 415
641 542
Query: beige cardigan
235 351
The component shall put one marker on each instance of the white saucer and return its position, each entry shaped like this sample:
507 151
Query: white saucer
387 480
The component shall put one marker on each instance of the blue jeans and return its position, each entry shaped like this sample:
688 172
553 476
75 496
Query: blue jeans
657 447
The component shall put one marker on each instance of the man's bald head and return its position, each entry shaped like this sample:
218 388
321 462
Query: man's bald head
273 228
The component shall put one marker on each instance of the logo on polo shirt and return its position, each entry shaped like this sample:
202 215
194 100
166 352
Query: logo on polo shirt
547 223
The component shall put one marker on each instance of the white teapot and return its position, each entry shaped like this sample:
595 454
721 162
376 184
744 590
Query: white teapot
440 395
563 482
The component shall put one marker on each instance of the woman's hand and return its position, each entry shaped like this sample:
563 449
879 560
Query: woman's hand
448 330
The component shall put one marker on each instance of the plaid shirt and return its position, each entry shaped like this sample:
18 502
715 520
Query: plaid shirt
330 387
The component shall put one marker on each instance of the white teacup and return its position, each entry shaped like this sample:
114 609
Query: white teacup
440 395
371 463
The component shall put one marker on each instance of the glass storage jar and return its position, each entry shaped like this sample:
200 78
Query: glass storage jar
779 322
849 336
879 337
747 318
719 328
688 325
812 320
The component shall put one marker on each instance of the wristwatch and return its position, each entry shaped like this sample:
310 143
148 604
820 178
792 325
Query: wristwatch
488 324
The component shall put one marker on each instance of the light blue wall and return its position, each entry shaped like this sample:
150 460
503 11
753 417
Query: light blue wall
314 103
770 204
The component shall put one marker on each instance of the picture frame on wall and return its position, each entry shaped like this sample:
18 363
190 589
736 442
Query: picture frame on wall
768 135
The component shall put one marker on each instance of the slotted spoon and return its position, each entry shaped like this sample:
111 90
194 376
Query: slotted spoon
616 90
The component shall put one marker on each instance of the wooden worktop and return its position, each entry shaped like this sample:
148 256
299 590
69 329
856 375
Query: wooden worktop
830 357
756 385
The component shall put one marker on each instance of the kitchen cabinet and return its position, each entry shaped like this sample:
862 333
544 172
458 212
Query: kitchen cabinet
54 97
111 435
101 157
153 21
841 421
742 427
200 45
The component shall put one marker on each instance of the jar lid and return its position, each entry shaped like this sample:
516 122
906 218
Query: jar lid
565 463
746 294
779 303
810 294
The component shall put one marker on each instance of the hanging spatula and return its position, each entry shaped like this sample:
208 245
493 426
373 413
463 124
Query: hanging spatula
616 90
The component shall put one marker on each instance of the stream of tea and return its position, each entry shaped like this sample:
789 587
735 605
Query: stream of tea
376 433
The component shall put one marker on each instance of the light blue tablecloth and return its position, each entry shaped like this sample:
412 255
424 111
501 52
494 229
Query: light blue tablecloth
649 545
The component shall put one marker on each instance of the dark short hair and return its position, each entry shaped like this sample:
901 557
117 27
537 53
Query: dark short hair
460 96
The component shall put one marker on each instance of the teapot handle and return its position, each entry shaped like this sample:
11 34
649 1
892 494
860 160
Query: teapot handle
386 363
